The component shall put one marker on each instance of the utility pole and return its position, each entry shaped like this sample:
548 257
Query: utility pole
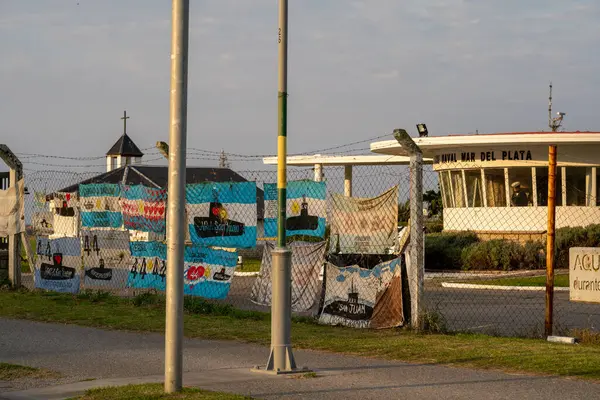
223 162
176 197
550 236
281 359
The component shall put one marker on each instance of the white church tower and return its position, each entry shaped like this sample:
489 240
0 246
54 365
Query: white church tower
124 151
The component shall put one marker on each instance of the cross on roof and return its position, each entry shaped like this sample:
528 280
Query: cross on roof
125 118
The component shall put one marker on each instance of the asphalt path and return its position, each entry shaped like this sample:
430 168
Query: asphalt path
88 357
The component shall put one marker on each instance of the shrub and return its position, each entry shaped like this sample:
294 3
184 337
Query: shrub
443 250
566 238
505 255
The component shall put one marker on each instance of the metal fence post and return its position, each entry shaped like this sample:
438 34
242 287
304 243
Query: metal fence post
416 268
176 197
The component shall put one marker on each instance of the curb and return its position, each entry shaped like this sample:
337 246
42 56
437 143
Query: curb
498 287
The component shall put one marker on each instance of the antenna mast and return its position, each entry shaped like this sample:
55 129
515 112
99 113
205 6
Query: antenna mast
550 109
223 162
554 123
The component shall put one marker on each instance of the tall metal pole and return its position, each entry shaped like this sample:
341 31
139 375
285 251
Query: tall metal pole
281 359
550 239
176 197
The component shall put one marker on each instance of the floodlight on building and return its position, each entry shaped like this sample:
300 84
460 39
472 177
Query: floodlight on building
422 128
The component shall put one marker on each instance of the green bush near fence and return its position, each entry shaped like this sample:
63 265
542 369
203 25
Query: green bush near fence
503 255
566 238
443 250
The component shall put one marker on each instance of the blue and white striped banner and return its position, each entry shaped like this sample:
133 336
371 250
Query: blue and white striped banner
306 209
207 272
57 264
100 207
222 214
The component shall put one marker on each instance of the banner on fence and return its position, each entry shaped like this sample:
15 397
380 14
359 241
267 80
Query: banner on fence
42 223
100 207
106 258
307 261
65 209
222 214
363 298
306 209
12 210
57 264
364 225
148 269
144 208
207 272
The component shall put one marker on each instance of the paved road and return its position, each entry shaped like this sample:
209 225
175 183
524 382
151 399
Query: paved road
114 357
497 312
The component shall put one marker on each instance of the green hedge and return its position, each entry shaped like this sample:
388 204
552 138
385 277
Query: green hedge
443 250
566 238
504 255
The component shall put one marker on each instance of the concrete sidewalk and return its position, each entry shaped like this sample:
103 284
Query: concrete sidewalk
116 358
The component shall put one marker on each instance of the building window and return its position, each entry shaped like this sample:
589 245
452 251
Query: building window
458 188
541 177
113 163
521 186
474 188
495 187
446 189
127 160
576 186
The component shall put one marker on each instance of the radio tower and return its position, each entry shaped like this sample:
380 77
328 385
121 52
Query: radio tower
223 162
554 123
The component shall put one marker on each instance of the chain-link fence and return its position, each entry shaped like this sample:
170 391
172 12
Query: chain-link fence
484 241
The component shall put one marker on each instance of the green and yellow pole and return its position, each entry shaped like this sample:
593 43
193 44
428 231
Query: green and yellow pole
281 359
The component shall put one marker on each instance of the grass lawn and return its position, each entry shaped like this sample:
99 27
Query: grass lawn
561 280
250 265
152 392
208 321
11 372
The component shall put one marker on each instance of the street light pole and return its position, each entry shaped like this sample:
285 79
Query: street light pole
281 359
176 197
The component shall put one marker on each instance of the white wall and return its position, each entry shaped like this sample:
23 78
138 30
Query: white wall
517 219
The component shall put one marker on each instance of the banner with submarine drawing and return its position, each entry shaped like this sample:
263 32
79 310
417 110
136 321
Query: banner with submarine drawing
207 272
306 208
363 298
106 257
65 209
100 207
222 214
57 264
144 208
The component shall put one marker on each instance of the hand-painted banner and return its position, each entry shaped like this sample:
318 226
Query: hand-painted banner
42 223
106 258
12 210
307 260
148 268
144 208
207 272
363 298
57 264
65 207
222 214
364 225
100 207
306 209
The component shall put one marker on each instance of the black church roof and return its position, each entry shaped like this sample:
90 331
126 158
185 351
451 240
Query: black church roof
125 147
158 177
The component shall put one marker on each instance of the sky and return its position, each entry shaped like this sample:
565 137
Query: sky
357 70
